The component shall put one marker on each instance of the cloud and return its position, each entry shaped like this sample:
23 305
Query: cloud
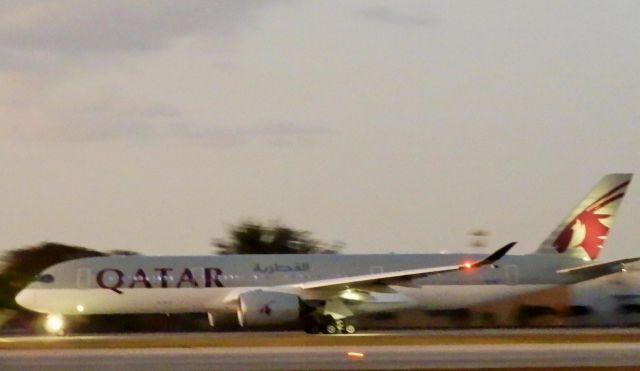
85 131
393 16
67 68
106 118
155 124
33 110
69 26
278 134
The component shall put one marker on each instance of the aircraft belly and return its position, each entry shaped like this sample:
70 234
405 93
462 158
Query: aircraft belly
183 300
101 301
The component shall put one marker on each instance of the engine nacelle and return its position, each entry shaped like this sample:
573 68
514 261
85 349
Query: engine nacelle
259 308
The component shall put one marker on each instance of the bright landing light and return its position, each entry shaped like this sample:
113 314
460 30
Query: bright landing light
80 308
54 323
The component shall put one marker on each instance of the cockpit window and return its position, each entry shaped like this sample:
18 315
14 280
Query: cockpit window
45 278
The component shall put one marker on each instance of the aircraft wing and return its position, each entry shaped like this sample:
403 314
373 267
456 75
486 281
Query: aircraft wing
599 269
400 277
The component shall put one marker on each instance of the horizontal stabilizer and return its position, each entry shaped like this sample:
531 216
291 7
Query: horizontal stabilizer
600 269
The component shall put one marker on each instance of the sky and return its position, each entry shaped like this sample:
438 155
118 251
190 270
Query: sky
389 126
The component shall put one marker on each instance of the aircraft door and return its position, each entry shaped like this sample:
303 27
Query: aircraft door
83 278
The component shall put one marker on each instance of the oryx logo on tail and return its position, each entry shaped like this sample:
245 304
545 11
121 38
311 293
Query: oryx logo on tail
589 229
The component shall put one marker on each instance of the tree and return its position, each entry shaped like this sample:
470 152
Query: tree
251 237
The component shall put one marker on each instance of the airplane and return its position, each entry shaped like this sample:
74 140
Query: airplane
324 292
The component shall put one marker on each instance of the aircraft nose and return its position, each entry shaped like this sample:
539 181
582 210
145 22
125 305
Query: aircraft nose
26 298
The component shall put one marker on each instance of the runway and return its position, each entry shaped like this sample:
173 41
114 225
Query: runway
329 358
340 355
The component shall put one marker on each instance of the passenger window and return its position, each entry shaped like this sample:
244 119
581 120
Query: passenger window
45 278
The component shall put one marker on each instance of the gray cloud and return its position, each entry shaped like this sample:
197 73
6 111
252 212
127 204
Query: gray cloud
393 16
89 26
44 44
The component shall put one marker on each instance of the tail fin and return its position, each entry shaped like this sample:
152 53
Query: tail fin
583 233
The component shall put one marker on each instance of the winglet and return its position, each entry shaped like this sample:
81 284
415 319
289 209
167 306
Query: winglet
497 255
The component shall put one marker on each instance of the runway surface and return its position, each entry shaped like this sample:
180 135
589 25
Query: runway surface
324 358
517 351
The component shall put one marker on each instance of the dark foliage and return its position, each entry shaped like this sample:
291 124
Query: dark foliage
254 238
122 252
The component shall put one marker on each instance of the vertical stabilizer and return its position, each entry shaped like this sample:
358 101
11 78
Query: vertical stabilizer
583 233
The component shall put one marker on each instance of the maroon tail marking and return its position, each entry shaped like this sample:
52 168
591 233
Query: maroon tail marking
594 227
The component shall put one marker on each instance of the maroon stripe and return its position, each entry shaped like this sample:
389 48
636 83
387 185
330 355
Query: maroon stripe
594 203
609 201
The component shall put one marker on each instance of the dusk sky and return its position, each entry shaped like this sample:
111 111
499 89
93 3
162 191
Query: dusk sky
393 126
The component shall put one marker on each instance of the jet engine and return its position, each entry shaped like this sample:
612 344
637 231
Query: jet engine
258 308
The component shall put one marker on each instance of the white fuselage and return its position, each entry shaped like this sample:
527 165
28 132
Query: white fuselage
139 284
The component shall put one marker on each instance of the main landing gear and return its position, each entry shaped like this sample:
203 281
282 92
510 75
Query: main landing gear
332 327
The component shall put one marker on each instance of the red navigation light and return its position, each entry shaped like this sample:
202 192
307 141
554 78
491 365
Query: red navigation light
467 265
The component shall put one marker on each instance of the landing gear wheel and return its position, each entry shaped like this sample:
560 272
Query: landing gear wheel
330 329
349 329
